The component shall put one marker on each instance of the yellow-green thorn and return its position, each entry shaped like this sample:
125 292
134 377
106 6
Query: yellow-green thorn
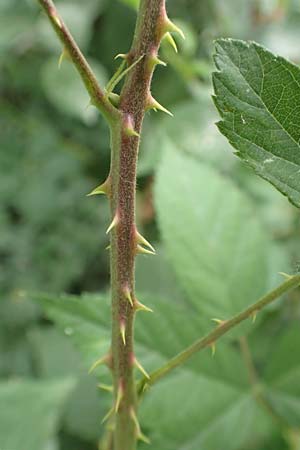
139 433
213 348
119 398
131 132
103 189
285 275
127 295
141 240
140 307
169 38
159 62
113 224
218 321
129 127
139 366
123 331
98 363
254 315
108 415
64 55
155 61
144 251
105 387
121 55
171 27
56 20
98 190
153 104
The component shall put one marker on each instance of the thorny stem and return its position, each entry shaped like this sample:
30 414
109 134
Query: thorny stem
134 101
70 47
125 125
224 327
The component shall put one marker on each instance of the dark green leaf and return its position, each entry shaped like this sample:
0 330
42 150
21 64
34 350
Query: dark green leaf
258 94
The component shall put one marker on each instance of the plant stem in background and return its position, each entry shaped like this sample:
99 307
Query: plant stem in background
256 385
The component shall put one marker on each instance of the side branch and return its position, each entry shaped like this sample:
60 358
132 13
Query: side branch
88 77
223 327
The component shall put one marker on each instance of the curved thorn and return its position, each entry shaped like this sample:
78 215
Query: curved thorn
123 331
103 189
108 415
139 366
56 20
155 61
130 132
144 251
159 62
170 26
153 104
213 349
63 56
98 363
129 126
285 275
113 224
127 295
105 387
140 307
121 55
143 241
119 398
139 433
254 315
218 321
169 38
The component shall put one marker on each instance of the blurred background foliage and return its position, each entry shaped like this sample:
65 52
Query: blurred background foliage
55 149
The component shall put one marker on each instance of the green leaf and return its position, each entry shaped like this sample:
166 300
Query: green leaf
85 320
282 374
219 383
214 240
204 414
30 412
133 3
66 91
213 398
84 407
79 21
257 95
200 138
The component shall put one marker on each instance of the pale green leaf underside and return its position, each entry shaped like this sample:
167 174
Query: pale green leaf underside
258 97
30 411
216 244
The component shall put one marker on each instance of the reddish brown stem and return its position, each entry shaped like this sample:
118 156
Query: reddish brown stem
135 99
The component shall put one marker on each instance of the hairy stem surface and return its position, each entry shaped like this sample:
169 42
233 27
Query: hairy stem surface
135 100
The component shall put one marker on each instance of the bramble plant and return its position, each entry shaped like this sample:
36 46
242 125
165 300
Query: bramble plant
257 95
